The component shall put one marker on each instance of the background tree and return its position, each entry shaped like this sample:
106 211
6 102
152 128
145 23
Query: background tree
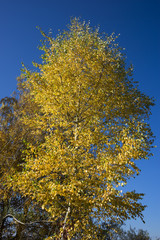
13 141
94 124
133 234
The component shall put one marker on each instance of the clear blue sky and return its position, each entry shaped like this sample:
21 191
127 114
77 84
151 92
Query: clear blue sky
137 21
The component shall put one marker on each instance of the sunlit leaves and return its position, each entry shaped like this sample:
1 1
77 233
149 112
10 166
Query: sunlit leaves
92 117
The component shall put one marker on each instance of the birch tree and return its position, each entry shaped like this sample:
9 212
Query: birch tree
95 124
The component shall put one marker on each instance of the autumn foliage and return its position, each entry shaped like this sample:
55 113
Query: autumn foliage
88 125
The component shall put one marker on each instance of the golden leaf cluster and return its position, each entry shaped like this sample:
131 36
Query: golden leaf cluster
88 125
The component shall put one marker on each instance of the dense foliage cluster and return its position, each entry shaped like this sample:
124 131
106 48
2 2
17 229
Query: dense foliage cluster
71 137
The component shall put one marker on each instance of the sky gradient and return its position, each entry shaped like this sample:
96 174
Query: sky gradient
137 22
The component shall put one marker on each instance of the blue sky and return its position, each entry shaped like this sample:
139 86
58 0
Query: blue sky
137 21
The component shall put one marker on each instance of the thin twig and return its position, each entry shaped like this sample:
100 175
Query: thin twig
26 224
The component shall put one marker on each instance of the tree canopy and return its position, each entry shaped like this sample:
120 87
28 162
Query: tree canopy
88 125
